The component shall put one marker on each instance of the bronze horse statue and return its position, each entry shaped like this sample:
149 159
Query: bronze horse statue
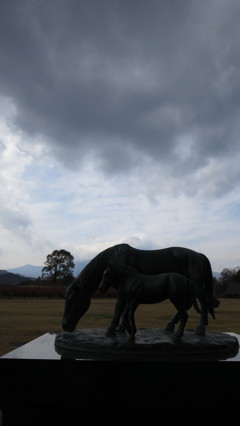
136 288
193 265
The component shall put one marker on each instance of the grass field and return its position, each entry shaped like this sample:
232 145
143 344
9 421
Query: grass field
23 320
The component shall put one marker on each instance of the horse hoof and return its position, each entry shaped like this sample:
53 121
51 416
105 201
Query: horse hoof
176 338
200 331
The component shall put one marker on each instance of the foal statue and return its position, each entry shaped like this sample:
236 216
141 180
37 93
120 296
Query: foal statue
136 288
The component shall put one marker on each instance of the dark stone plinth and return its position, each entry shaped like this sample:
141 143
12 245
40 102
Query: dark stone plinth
150 345
38 384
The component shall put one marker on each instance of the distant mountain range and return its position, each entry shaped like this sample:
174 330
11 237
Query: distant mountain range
8 278
32 271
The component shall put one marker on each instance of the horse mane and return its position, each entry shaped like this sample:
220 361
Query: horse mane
90 276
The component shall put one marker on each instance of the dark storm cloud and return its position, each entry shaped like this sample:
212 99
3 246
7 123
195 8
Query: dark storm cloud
124 79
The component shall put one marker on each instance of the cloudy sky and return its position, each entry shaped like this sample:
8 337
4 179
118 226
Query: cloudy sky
119 122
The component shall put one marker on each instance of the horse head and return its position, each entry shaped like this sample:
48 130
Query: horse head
77 302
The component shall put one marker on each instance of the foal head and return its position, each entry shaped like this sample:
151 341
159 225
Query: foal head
108 280
114 275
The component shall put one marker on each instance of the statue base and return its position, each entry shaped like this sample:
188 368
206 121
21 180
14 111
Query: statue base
79 382
151 344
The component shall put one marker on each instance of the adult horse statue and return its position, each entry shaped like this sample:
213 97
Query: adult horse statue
138 288
193 265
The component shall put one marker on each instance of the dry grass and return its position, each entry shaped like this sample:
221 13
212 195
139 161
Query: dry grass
24 320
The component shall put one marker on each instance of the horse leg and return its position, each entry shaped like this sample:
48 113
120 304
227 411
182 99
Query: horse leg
125 324
171 324
199 293
119 308
183 319
132 308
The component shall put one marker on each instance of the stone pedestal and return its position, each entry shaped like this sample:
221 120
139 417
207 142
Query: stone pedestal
150 345
41 381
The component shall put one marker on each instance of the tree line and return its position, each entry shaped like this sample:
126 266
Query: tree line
227 276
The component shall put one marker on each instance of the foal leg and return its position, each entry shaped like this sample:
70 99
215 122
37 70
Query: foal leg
132 308
183 319
125 324
119 308
171 324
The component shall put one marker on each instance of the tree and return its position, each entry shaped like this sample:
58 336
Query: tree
227 276
230 275
59 266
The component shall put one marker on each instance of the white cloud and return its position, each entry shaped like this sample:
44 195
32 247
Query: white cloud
19 238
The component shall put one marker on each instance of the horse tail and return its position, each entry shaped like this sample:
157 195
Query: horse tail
208 284
194 300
